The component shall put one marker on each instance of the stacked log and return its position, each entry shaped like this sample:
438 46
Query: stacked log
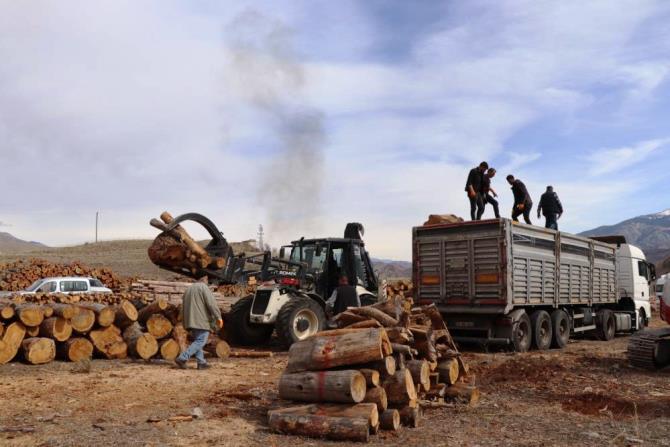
172 292
406 361
37 331
19 275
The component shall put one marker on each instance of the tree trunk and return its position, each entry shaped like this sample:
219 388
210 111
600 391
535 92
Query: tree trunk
217 347
462 393
400 387
180 335
109 343
377 395
157 307
6 310
448 370
169 349
66 311
38 351
298 421
140 344
11 341
371 377
323 386
410 417
200 252
317 353
57 328
75 349
375 314
365 324
83 321
158 326
420 371
126 314
386 366
389 420
104 315
30 314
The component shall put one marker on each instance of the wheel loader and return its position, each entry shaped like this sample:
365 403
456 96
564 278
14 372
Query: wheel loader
292 288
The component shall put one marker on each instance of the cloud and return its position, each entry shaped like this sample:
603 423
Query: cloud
516 160
607 161
4 224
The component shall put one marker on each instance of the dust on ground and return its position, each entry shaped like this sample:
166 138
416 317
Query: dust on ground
586 394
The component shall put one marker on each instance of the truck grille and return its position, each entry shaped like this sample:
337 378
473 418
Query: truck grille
261 301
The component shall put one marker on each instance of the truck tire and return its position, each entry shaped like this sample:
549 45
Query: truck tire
521 333
240 331
298 319
560 324
606 326
542 332
642 319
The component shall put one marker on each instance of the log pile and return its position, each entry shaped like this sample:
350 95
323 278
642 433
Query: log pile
19 275
37 330
377 371
172 291
400 289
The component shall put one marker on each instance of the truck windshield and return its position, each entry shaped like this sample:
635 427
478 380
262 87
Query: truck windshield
34 286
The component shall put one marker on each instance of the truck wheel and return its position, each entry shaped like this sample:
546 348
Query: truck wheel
542 333
521 333
606 325
560 324
642 319
298 319
240 331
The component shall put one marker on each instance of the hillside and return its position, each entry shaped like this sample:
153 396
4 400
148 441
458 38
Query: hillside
650 232
11 244
392 269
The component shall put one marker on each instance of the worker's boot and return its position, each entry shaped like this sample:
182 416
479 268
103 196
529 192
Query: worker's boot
180 364
203 366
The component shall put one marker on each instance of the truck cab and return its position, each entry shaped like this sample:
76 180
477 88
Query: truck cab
635 275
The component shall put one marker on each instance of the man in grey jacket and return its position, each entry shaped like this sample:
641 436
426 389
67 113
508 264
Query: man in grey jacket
200 315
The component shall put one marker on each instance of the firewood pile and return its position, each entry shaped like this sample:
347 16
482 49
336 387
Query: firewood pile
399 289
173 291
38 331
383 366
19 275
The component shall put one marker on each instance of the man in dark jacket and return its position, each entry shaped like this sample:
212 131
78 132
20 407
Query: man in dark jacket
522 201
473 186
551 208
344 296
489 193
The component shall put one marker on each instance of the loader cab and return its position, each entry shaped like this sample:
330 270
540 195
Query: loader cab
327 259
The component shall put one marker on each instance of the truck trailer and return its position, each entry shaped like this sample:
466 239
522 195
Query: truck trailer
500 282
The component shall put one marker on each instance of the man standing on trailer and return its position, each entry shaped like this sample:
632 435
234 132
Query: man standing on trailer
551 208
522 201
200 316
487 191
473 186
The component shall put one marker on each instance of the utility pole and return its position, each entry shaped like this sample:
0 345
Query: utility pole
97 215
261 245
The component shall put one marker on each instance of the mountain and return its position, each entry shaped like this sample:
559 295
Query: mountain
650 232
9 243
389 269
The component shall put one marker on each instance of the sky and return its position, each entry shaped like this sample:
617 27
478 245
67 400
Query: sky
305 115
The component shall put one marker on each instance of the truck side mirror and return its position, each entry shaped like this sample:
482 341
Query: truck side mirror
282 253
652 272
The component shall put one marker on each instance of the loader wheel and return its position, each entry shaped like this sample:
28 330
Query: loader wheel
521 333
542 333
298 319
606 326
560 324
240 331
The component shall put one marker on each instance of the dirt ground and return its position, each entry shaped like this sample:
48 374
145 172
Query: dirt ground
585 394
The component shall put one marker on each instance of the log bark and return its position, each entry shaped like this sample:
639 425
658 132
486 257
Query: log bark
372 377
140 345
2 329
377 395
462 393
400 387
389 420
347 318
83 321
251 354
420 371
38 350
386 366
449 371
195 248
104 315
375 314
30 314
302 423
11 341
365 324
109 343
57 328
217 347
169 349
157 307
317 353
365 411
75 349
346 386
66 311
437 392
410 417
126 314
158 326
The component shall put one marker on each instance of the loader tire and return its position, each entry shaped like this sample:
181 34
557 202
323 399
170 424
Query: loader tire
542 331
240 331
298 319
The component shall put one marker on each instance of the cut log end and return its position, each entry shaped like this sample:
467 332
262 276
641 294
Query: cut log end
75 349
38 351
